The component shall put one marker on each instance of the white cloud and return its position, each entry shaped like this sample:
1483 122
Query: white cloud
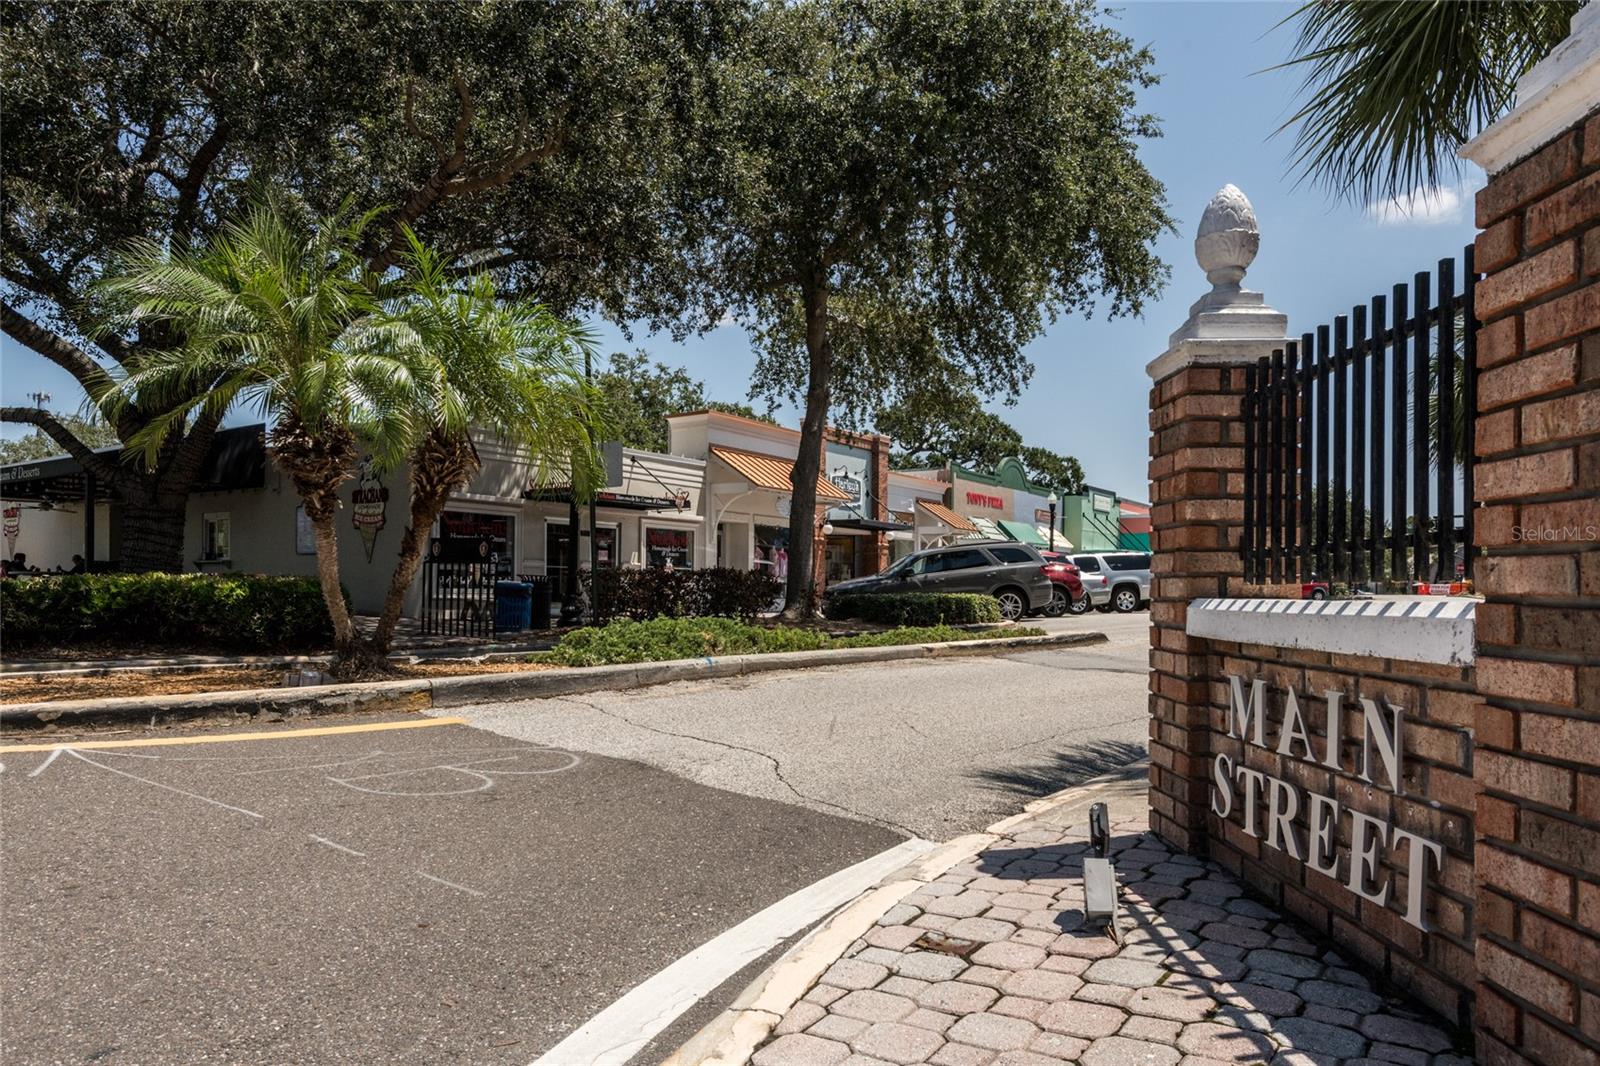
1423 206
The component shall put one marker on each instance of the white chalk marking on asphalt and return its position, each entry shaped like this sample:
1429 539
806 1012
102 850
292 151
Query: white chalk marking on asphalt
617 1033
337 846
50 759
451 884
158 784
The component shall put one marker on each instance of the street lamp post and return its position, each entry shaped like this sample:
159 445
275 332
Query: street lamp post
1051 500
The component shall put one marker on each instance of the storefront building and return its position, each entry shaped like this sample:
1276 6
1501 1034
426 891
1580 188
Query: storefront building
749 494
1003 505
1092 520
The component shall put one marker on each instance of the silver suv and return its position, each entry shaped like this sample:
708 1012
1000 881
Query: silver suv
1126 578
1012 573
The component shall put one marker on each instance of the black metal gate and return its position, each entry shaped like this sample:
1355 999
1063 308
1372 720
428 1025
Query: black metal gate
458 598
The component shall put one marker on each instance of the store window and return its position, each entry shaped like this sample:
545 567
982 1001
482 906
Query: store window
772 550
663 546
476 537
605 547
216 537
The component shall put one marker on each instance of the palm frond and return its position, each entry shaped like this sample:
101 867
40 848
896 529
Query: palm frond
1393 87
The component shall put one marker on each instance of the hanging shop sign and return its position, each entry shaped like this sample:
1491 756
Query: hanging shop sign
846 470
369 504
1268 805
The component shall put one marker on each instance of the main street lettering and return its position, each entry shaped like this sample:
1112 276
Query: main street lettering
1381 750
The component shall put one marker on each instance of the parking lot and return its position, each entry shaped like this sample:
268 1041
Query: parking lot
412 894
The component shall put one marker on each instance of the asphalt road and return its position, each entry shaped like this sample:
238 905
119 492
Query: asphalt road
448 894
932 748
428 895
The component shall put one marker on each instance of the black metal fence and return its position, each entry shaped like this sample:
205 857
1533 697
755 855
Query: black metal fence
458 598
1359 442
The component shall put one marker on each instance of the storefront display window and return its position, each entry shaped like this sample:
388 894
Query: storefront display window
664 546
474 537
772 550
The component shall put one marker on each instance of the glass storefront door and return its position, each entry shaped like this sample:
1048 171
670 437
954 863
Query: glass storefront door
663 546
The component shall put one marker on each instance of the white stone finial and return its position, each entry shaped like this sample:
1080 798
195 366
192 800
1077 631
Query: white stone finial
1228 239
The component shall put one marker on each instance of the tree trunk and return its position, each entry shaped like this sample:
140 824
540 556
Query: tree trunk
344 630
150 534
440 465
799 601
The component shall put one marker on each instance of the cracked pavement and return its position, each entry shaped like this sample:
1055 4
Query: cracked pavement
933 748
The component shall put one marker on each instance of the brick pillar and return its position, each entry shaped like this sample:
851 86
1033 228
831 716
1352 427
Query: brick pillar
1196 512
1197 506
1537 743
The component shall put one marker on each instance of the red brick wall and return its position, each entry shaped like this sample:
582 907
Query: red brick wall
1440 709
1196 510
1538 734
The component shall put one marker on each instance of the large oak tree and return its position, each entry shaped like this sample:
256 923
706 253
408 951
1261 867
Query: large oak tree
914 184
538 140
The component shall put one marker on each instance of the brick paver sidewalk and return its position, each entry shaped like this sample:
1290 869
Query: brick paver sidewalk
1204 975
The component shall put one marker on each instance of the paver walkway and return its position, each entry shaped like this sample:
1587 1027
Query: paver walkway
1204 976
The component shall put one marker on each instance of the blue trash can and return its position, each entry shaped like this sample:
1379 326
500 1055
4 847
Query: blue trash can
513 606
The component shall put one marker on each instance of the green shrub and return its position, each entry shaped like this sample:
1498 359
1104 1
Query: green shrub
658 593
916 608
663 639
228 612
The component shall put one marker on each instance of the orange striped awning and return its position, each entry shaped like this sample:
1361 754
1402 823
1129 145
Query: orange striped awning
770 472
947 516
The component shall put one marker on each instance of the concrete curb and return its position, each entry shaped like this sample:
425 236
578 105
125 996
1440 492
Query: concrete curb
732 1037
423 694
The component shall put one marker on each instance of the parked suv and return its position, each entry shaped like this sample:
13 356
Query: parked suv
1012 573
1126 576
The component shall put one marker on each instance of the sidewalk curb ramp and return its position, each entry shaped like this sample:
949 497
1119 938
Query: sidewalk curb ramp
273 704
732 1036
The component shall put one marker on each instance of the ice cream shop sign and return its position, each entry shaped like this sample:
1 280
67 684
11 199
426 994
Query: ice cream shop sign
1269 807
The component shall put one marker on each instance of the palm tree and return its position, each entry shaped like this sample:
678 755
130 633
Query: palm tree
276 312
1393 87
508 368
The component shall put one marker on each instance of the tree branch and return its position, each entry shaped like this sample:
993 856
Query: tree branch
95 464
452 176
58 350
194 179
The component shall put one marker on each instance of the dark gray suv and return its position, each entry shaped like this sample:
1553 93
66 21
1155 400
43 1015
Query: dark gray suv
1012 573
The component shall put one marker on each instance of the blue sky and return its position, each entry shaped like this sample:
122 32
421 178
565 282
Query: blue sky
1089 393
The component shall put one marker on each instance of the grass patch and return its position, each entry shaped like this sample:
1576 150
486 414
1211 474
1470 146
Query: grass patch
664 639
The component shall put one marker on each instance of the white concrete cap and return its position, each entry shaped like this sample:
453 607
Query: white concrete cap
1229 324
1556 93
1421 629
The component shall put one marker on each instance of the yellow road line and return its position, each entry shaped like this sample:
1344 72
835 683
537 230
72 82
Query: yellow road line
228 738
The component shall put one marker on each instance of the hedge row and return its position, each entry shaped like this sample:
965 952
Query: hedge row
660 593
244 612
915 608
665 639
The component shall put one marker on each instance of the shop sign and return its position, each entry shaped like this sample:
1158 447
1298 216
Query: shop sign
678 502
846 470
1101 502
1269 804
19 473
1041 514
983 499
369 504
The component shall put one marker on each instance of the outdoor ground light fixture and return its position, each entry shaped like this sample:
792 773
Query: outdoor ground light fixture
1099 876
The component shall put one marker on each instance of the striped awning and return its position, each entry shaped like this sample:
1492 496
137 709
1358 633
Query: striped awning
770 472
986 528
943 514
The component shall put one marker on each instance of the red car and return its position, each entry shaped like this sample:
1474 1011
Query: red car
1067 582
